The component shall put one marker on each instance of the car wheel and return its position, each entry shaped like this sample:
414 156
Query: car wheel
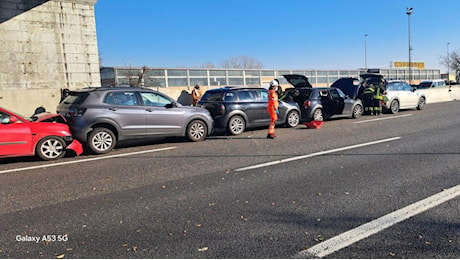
197 130
357 111
292 119
421 103
318 115
101 140
51 148
236 125
394 106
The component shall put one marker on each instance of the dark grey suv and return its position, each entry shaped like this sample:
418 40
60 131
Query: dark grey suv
237 108
99 117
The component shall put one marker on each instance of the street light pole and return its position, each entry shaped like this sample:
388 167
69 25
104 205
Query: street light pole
448 65
365 51
409 12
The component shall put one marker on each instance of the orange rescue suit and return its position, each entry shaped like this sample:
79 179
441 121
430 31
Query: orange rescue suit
272 108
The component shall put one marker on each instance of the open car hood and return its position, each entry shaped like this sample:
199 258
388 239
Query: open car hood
298 81
372 77
375 79
48 117
349 86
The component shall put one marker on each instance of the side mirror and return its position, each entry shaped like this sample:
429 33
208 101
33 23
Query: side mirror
171 105
13 120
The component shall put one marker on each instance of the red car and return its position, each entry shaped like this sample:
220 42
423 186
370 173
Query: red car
45 135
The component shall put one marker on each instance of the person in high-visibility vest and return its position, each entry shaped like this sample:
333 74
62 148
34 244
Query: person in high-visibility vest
378 97
368 98
272 108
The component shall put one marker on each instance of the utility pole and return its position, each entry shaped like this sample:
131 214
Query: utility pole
409 12
365 51
448 65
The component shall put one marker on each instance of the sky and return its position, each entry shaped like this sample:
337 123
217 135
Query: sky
288 34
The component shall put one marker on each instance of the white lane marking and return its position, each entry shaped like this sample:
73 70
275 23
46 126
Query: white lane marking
314 154
345 239
85 160
381 118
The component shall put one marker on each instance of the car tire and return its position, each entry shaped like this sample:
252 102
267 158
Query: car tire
196 131
318 115
292 118
50 148
421 103
357 111
394 106
236 125
101 140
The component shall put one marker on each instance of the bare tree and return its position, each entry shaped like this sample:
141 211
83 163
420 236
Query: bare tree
137 80
452 61
241 62
208 65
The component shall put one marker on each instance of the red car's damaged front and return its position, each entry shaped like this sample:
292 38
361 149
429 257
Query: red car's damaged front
45 135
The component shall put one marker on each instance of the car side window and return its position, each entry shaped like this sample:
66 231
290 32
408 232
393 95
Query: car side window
264 96
341 94
256 95
4 118
334 94
407 87
398 87
246 95
123 98
154 99
229 97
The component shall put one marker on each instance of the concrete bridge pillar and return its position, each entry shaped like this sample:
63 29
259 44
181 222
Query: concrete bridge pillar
46 46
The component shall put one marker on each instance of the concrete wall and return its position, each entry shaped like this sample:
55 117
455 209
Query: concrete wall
46 46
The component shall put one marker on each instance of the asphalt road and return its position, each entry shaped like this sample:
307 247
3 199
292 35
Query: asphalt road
376 187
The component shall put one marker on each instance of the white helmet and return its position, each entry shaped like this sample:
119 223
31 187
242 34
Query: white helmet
273 83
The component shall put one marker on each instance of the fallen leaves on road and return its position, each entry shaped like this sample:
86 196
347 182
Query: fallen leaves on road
203 249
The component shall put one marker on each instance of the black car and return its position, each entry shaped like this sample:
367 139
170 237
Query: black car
238 108
318 104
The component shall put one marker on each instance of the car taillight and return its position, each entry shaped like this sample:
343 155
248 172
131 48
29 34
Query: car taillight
306 104
74 112
221 109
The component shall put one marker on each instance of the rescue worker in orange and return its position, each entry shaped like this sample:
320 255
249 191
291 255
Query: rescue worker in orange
272 108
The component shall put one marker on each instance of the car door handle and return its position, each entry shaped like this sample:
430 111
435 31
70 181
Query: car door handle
113 108
149 109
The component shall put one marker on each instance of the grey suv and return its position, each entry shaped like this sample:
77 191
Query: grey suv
237 108
99 117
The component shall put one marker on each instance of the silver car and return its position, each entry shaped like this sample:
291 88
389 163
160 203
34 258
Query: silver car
99 117
400 95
